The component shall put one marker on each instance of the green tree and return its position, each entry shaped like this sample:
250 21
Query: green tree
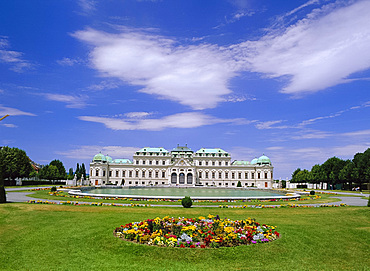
294 175
70 174
331 168
61 169
83 171
346 173
14 163
78 172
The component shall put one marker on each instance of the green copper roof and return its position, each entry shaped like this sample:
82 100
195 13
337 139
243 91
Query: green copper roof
254 161
240 163
109 159
122 161
149 149
264 160
182 149
99 158
216 150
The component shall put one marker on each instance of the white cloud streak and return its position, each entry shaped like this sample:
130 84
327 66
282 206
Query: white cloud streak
196 76
12 58
181 120
319 51
13 112
71 100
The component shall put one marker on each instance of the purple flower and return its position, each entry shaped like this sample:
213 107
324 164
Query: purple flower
254 241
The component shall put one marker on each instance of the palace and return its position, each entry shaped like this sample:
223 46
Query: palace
181 167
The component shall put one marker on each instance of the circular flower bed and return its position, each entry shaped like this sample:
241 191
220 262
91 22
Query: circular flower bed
198 232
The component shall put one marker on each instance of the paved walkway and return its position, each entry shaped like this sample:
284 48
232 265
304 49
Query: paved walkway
350 201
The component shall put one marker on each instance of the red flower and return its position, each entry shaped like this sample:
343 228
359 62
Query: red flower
182 245
202 246
192 246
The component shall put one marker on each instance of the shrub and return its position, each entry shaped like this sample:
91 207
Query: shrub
54 189
312 192
239 184
186 202
368 202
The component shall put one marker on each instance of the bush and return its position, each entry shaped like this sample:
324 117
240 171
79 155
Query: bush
186 202
312 192
368 202
239 184
53 189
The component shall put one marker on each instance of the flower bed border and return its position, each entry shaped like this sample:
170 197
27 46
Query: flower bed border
201 232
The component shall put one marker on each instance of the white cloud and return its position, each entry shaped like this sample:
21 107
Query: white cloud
71 100
88 152
181 120
319 51
9 125
66 61
13 112
196 76
104 85
13 58
87 6
269 125
137 115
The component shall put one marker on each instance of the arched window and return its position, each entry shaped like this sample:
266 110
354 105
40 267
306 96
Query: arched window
174 178
189 179
181 178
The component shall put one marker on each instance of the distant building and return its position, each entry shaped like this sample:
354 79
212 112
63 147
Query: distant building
181 167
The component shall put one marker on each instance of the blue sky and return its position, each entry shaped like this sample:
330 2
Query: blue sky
288 79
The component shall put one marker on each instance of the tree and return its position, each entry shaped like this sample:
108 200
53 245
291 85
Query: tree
83 171
14 163
346 173
61 169
70 174
294 175
331 168
78 172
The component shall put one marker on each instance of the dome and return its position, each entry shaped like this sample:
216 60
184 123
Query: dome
264 160
109 159
99 158
254 161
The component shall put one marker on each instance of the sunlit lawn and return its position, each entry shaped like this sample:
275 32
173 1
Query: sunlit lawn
59 237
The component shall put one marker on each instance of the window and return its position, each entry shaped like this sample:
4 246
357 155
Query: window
156 174
206 163
213 175
233 184
157 162
143 162
129 182
150 174
130 173
226 175
123 173
163 174
163 162
265 175
226 163
137 162
142 182
200 175
150 162
137 174
220 175
206 175
200 163
219 184
232 175
246 175
116 173
97 172
259 175
239 175
219 163
143 174
252 175
110 173
103 173
213 163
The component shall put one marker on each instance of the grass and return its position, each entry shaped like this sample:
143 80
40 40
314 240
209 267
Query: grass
44 194
59 237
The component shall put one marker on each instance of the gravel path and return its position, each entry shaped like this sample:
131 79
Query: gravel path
350 201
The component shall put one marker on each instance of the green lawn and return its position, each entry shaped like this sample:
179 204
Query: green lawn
59 237
44 194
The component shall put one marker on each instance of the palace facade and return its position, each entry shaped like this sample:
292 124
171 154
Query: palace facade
181 167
